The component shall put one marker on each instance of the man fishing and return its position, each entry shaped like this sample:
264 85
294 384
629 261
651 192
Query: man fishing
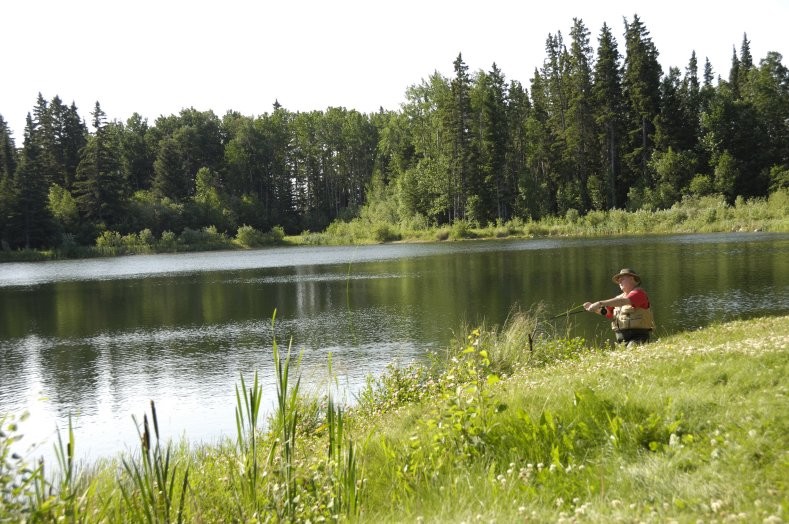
630 314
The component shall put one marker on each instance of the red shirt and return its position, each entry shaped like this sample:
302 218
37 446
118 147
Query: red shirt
638 299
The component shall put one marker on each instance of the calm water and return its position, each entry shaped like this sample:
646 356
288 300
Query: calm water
98 339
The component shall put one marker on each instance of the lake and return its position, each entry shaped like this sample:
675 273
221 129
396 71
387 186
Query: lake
99 339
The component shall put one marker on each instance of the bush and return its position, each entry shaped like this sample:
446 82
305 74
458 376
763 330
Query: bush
461 229
146 238
384 233
109 239
248 236
168 241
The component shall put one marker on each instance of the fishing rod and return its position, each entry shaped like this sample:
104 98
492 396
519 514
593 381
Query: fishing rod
572 311
575 311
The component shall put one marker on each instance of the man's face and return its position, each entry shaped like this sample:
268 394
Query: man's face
626 283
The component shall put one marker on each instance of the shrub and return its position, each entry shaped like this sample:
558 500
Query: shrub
146 237
168 241
109 239
384 232
461 229
248 236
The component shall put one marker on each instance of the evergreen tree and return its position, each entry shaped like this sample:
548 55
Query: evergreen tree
73 137
734 75
609 100
99 186
458 122
137 159
518 110
641 85
690 101
541 182
169 179
8 165
552 88
581 132
672 121
707 91
766 91
30 223
8 154
490 196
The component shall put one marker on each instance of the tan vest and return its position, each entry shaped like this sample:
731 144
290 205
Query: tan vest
629 317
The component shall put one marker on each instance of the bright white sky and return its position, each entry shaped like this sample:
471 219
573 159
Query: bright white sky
156 57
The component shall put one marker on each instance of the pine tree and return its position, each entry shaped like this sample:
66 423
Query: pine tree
672 121
518 110
99 186
136 154
609 101
541 184
30 224
169 179
491 198
73 138
8 165
8 154
641 84
459 124
690 100
581 132
734 75
554 87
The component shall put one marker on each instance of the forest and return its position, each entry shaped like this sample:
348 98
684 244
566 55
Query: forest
595 129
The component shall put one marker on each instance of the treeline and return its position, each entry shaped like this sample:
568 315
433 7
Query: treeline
596 130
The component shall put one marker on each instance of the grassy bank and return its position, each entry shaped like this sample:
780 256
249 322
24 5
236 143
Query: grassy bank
507 425
692 215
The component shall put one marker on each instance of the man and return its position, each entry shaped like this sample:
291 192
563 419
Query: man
630 314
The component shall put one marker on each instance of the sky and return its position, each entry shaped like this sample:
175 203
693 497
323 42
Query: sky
157 57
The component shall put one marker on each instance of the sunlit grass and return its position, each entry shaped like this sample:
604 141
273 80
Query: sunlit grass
514 423
691 215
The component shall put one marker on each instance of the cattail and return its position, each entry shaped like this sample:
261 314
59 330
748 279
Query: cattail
146 434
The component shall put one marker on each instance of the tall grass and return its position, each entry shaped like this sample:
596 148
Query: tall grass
691 215
150 495
510 424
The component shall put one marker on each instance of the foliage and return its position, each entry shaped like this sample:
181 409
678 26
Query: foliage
149 494
598 130
481 432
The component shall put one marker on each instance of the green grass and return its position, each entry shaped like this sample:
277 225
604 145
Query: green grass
509 424
709 214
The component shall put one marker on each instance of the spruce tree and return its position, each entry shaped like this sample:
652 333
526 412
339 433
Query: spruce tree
30 222
581 132
641 85
492 198
169 179
99 188
458 121
609 102
518 110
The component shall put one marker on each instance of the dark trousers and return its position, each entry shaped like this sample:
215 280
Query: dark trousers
632 335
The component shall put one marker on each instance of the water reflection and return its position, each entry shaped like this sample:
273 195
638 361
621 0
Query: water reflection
100 339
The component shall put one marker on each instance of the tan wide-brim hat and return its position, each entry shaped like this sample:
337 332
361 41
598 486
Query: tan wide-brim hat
626 271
